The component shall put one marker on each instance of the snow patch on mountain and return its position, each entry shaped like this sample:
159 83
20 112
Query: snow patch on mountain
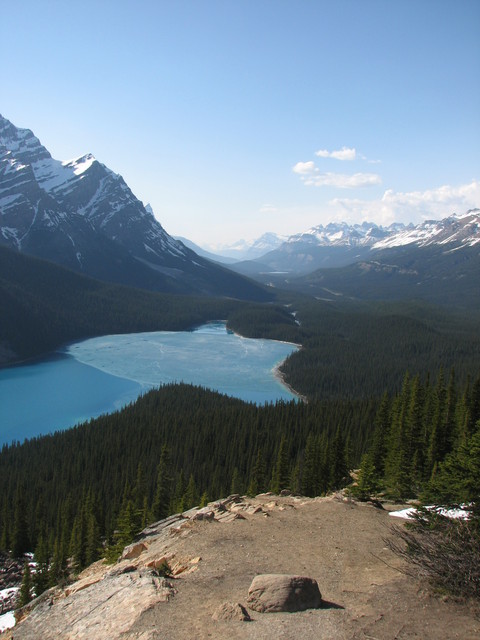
462 230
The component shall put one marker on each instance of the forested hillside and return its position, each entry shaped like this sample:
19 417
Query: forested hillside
86 491
161 455
353 350
43 305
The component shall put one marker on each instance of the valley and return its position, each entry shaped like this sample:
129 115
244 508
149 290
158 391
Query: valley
385 319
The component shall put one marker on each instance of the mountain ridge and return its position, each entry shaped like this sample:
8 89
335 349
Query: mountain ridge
82 215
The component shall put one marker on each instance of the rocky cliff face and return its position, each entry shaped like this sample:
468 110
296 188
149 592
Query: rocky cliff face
213 554
82 215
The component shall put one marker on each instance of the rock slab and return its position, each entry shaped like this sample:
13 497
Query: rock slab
273 593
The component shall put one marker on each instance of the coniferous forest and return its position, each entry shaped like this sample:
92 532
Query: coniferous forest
391 388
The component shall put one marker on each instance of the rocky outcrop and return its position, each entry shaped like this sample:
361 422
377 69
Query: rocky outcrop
272 593
189 577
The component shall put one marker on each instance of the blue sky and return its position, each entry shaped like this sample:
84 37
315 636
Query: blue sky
232 118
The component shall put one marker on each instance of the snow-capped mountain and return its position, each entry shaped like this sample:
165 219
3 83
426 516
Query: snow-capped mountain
84 216
437 261
341 234
341 244
456 231
247 249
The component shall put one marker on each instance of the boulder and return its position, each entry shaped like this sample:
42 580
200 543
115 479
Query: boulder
271 593
231 611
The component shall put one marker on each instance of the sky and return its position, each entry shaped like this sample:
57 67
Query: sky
235 118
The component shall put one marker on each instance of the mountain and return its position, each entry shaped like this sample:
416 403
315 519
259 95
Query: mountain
248 249
333 245
437 261
44 305
341 244
456 231
215 257
82 215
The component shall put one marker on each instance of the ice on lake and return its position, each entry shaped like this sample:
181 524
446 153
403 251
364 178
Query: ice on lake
211 357
103 374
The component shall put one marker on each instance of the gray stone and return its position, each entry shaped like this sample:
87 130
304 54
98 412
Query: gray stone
271 593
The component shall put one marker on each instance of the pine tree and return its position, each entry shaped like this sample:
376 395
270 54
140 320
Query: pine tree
42 559
397 462
438 446
26 590
190 497
367 483
310 467
20 538
163 488
178 501
78 540
281 476
257 478
338 467
235 484
59 565
5 529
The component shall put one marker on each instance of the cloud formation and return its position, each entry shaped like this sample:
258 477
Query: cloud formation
268 208
344 153
410 206
342 180
311 176
304 168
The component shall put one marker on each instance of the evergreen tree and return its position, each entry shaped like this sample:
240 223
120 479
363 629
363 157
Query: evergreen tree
367 483
163 488
309 484
258 475
397 463
438 446
5 529
20 537
378 449
190 497
178 501
78 541
59 565
42 558
338 467
26 589
457 478
281 476
236 484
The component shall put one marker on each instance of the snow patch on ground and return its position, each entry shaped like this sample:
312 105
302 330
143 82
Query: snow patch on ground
7 621
409 513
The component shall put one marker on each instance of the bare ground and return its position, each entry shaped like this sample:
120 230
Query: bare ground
339 543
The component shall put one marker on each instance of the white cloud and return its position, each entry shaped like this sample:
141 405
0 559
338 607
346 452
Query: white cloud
268 208
341 180
410 206
344 153
304 168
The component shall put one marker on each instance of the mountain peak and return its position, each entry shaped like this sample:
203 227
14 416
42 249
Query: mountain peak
84 216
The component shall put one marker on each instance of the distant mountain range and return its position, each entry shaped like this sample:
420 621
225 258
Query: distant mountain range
83 216
437 261
341 244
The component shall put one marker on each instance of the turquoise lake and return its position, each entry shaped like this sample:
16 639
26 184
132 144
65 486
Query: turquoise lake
103 374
